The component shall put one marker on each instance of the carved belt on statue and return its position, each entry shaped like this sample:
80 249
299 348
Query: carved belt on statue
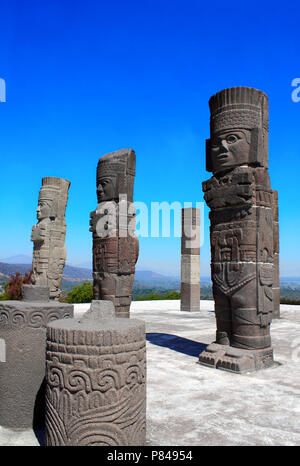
230 281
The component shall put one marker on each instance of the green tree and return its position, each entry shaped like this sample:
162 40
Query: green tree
155 296
80 294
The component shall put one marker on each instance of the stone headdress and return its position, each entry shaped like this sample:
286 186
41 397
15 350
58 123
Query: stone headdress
119 165
55 191
241 108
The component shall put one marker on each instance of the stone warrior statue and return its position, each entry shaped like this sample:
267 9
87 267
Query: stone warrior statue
241 232
48 235
115 246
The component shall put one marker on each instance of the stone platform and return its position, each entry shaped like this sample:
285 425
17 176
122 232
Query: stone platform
189 404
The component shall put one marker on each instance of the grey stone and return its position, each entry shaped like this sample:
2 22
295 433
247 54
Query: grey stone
242 231
96 382
228 358
23 329
48 235
276 281
115 246
190 259
99 310
35 293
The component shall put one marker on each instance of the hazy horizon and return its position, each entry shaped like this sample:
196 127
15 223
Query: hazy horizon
140 268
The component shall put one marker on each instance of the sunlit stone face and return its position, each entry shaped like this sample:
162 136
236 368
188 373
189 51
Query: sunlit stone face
229 149
106 188
44 209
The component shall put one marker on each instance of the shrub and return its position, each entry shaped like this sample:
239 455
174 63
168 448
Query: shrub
155 296
12 289
289 301
80 294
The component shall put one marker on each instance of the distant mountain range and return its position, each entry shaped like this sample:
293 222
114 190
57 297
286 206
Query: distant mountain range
19 259
76 275
146 281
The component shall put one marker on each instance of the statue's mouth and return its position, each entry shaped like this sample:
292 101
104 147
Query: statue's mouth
224 155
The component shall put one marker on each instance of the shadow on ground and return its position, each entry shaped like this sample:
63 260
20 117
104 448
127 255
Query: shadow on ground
40 435
175 343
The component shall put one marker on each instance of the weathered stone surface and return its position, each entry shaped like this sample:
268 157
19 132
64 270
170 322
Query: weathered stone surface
35 293
23 329
190 297
190 259
190 269
115 246
100 310
246 111
96 382
228 358
276 281
48 235
242 226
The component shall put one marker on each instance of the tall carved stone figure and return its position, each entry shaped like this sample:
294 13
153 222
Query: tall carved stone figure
241 232
48 235
276 281
115 246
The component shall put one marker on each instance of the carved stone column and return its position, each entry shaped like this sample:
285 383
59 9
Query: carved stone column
48 235
96 380
190 259
22 367
115 246
276 280
241 233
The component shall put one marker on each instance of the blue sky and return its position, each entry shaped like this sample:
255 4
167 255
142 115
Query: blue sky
87 78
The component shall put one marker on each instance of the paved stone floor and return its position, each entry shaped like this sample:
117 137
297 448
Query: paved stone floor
189 404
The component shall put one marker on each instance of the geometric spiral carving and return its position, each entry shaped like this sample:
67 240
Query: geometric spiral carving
96 389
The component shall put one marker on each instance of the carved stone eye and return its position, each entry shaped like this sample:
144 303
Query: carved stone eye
231 139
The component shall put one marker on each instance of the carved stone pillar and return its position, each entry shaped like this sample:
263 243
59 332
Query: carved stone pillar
96 380
190 259
22 369
48 235
276 281
115 246
241 233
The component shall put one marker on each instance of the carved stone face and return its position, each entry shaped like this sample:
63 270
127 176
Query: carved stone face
106 188
44 209
229 149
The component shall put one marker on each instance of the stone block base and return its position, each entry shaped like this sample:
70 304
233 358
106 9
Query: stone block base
228 358
190 297
22 365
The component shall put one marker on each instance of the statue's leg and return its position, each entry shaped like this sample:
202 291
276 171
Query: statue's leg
223 317
250 330
105 286
124 285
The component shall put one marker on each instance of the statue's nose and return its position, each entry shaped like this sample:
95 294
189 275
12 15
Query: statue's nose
223 144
